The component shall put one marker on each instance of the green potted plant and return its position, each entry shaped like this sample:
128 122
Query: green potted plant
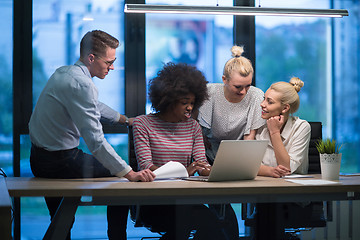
328 146
330 158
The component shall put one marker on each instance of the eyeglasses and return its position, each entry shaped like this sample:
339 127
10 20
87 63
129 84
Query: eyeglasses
108 63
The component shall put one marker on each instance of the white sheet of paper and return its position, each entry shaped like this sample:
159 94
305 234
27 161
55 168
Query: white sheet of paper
171 170
298 176
312 182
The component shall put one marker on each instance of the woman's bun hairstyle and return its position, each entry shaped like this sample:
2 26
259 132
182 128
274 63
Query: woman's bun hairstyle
238 63
289 92
297 83
237 51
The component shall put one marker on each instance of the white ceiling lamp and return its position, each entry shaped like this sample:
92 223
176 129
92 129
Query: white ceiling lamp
235 10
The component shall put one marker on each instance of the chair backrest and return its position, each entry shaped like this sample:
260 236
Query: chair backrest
135 210
131 150
314 157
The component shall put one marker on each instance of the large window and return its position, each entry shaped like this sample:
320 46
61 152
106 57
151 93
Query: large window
324 53
6 58
200 40
346 85
300 47
58 27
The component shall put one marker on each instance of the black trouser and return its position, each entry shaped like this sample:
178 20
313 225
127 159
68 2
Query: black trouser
177 221
226 214
74 163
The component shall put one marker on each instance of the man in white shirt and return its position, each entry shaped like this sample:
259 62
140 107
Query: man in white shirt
67 109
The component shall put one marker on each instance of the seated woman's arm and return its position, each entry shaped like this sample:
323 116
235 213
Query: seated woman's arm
142 146
294 154
276 172
296 150
274 125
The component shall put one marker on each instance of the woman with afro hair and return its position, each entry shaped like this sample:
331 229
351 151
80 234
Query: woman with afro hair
171 134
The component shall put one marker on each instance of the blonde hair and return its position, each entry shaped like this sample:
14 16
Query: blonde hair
289 92
237 63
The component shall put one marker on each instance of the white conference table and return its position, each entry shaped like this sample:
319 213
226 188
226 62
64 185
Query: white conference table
115 191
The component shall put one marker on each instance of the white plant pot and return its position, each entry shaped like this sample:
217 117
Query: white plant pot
330 166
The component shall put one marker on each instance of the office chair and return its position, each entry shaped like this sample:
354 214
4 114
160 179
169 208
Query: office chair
135 209
295 217
316 214
314 157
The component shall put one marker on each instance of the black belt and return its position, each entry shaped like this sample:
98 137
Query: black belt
43 150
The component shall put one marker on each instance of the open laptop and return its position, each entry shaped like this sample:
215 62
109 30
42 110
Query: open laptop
236 160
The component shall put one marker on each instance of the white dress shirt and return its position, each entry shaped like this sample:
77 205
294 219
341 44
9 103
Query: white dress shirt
296 138
68 108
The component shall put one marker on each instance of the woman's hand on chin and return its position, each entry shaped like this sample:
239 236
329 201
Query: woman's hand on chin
275 124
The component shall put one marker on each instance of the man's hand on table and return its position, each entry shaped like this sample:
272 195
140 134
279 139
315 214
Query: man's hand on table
143 176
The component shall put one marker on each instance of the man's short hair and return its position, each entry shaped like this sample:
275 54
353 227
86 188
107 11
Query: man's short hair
96 42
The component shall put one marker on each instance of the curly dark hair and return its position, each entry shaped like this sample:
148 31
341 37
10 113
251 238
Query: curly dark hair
173 82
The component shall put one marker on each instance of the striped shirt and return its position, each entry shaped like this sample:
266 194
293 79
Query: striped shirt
158 142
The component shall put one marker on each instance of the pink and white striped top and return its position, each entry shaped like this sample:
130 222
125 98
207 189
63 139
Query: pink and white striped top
158 142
